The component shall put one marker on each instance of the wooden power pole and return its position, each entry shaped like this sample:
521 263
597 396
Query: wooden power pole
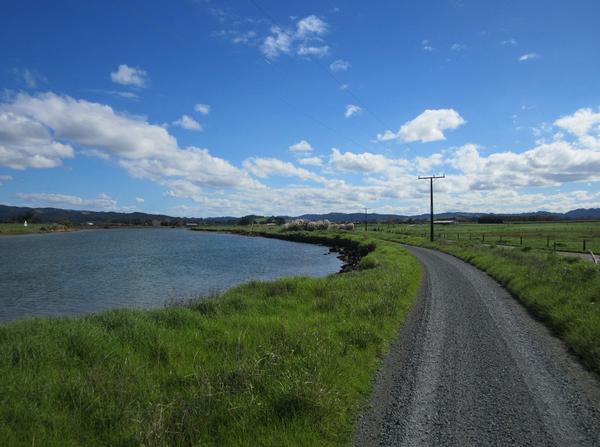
366 229
431 178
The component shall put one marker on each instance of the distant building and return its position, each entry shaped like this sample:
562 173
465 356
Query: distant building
25 224
90 224
191 224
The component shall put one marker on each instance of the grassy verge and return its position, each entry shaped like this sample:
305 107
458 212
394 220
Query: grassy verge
287 362
562 292
9 228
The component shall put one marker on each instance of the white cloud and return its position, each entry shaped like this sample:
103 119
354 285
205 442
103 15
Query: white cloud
26 143
187 122
103 202
144 150
95 153
204 109
5 178
425 164
339 65
529 56
344 86
277 43
30 78
428 126
511 42
301 146
426 45
364 162
458 47
545 165
351 110
301 41
310 26
477 179
268 167
581 122
116 93
134 76
183 189
139 200
313 51
311 161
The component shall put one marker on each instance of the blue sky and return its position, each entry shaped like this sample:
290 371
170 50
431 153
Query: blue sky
207 108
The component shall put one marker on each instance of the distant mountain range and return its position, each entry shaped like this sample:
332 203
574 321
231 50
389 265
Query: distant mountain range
577 214
47 215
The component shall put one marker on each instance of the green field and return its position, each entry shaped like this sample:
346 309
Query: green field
17 228
287 362
564 236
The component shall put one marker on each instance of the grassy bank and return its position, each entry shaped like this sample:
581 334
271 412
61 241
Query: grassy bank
286 362
562 292
18 228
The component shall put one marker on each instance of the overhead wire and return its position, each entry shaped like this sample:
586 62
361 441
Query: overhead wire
348 90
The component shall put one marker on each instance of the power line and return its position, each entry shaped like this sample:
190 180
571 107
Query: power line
351 93
431 178
323 67
318 121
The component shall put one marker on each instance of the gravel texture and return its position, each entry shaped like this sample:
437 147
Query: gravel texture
472 368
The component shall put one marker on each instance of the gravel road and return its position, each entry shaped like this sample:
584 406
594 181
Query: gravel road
472 368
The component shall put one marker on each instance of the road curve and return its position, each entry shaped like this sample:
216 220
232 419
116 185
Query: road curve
472 368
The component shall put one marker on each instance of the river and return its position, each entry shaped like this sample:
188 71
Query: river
75 273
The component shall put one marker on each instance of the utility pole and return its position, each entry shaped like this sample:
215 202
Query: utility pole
431 178
366 229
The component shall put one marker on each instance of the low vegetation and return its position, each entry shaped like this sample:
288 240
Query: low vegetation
561 236
287 362
19 228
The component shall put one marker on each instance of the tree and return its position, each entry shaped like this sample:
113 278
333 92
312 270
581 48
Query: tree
246 220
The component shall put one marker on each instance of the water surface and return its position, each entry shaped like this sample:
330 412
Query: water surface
92 270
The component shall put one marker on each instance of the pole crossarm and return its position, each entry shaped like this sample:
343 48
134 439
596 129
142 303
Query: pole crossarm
431 178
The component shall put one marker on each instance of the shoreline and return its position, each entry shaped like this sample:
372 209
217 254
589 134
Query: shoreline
348 259
349 253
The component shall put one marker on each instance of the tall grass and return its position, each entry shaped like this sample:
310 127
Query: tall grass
286 362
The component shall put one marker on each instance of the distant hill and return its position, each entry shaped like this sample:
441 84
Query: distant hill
583 213
579 214
77 217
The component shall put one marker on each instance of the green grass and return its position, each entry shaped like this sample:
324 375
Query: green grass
568 236
18 228
287 362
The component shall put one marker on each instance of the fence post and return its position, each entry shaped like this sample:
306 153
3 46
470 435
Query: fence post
547 241
584 245
483 238
554 245
458 236
521 240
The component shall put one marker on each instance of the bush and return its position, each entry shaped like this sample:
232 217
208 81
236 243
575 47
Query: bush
299 225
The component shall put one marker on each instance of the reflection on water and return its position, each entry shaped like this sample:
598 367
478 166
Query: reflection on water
87 271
